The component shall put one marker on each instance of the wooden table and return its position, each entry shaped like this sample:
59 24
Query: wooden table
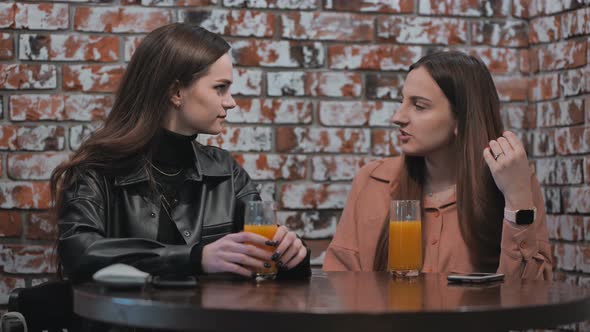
339 301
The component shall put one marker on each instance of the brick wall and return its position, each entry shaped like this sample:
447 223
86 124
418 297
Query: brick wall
316 82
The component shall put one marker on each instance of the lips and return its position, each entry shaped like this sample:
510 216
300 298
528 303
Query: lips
403 136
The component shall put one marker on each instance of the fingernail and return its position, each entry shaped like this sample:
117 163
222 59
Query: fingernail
269 243
275 256
280 264
266 265
276 243
253 275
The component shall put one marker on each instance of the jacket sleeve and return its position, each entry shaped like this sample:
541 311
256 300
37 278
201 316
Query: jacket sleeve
343 253
525 250
245 192
83 247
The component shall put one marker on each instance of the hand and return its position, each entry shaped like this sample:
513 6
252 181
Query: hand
509 165
235 253
290 249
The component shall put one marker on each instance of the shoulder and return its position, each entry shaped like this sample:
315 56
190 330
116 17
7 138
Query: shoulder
385 170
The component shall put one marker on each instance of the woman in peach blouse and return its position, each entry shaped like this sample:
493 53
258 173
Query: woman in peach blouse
482 207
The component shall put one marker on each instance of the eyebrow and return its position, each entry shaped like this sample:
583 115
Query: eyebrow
224 80
417 98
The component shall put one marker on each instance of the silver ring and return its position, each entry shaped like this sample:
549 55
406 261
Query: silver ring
498 155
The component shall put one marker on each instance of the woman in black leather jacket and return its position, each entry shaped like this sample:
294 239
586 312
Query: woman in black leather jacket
142 191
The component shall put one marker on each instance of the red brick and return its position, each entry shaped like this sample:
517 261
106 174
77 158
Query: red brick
337 168
27 259
564 55
314 195
356 113
7 14
246 139
169 3
383 86
498 60
587 173
399 6
543 143
372 57
114 19
24 195
476 8
544 29
270 53
327 140
7 284
529 61
310 224
565 256
563 113
11 225
576 199
6 46
31 138
55 47
520 8
583 258
41 16
575 23
544 87
421 30
79 133
552 199
267 191
327 26
517 116
92 78
273 166
565 227
505 34
334 84
559 171
548 7
131 44
36 166
1 166
511 88
587 228
36 107
27 76
271 111
384 142
41 226
247 82
237 23
272 4
87 107
574 82
572 140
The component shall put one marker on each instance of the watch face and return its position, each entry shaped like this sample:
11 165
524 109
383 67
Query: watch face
525 217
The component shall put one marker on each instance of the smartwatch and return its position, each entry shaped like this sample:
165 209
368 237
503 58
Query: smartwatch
521 217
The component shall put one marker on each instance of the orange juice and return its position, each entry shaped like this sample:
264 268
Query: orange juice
405 245
268 231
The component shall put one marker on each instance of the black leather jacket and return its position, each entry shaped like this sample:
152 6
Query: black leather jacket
115 220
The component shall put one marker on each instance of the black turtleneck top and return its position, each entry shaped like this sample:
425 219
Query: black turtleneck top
172 155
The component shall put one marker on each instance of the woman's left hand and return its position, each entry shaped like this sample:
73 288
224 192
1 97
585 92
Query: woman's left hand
509 165
290 250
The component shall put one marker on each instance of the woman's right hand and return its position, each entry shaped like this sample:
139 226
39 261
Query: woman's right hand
236 253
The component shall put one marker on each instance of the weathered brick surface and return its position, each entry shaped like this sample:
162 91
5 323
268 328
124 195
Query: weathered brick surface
337 168
327 26
273 166
505 33
24 195
41 226
564 55
562 113
314 195
474 8
27 76
233 22
356 113
271 4
92 78
11 225
6 46
54 47
32 138
327 84
266 53
27 259
565 227
241 139
284 111
40 107
372 57
310 225
330 140
422 30
41 16
119 19
33 166
545 29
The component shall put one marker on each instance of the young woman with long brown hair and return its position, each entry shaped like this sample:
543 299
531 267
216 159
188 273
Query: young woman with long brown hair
482 207
142 191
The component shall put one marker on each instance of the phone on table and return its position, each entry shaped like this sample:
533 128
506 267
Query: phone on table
477 277
174 282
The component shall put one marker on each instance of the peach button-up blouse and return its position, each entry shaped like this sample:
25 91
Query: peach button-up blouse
525 250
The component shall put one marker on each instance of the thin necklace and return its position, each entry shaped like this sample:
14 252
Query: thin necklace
162 172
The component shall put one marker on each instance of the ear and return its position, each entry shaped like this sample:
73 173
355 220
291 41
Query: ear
176 95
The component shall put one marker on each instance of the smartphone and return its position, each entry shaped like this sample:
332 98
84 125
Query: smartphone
475 277
174 282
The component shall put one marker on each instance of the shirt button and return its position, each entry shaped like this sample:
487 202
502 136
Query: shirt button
187 233
153 215
523 245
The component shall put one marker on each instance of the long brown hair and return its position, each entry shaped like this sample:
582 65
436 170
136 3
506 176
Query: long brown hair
470 90
171 57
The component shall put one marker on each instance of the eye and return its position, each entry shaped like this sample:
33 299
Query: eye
419 107
222 88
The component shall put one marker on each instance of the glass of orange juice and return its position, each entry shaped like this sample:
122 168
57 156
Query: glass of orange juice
260 218
405 238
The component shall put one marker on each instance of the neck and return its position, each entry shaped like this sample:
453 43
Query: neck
172 123
440 170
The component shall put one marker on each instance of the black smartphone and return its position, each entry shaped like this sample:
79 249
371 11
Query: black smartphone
475 277
174 282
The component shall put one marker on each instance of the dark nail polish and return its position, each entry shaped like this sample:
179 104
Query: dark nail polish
253 275
275 256
269 243
280 264
266 265
276 243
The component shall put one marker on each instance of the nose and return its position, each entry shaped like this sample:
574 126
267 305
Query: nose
400 117
229 102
